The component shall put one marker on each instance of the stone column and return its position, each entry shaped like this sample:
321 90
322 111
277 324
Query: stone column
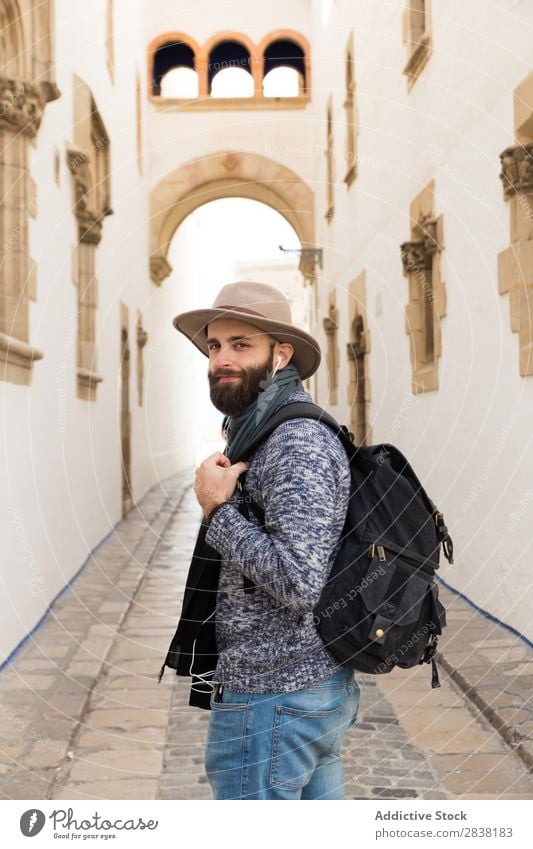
515 263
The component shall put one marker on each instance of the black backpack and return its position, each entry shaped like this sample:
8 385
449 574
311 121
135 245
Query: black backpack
380 607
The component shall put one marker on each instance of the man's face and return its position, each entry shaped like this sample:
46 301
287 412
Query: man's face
240 355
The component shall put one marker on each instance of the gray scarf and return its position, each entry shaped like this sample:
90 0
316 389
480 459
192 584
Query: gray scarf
242 429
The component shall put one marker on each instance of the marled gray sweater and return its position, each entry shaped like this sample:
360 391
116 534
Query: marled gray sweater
267 641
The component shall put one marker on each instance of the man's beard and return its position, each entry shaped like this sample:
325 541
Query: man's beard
233 397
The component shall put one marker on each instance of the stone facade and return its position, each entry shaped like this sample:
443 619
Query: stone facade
385 164
26 86
427 293
515 263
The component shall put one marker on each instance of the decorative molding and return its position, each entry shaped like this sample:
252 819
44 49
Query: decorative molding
350 107
142 335
330 324
225 104
257 177
419 252
142 339
87 382
358 390
427 293
517 169
16 357
27 41
89 221
309 259
515 263
160 268
357 349
21 106
418 58
88 163
330 162
416 32
350 175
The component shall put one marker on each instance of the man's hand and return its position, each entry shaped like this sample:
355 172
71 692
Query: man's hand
216 479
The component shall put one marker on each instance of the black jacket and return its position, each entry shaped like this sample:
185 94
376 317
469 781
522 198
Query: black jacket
193 651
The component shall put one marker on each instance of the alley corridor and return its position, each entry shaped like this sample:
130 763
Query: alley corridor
83 717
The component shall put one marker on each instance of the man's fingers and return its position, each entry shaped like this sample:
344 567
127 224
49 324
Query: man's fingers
217 459
239 468
243 465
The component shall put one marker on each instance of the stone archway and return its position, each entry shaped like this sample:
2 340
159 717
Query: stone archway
223 175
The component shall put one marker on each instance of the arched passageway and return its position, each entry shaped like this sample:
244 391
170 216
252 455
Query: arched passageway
222 175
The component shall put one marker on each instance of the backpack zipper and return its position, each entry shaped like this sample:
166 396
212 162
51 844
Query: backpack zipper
405 558
407 554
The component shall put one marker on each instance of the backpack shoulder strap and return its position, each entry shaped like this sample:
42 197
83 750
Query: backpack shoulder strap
297 410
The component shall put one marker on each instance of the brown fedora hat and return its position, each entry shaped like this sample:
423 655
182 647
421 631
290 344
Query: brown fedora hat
263 306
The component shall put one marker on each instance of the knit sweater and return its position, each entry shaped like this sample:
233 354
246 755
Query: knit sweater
266 639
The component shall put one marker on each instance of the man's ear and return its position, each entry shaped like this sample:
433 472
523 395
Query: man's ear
286 350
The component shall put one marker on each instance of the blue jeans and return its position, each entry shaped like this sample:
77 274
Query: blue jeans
281 745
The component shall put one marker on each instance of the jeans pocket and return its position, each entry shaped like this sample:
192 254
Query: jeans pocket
224 745
300 739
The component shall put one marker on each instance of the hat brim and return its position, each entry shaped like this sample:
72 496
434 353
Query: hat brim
306 356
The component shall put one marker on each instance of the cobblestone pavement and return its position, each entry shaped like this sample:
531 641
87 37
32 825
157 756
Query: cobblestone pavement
83 717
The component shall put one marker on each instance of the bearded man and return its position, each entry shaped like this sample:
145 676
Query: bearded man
280 703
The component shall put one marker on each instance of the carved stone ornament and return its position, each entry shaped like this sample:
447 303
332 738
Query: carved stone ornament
517 169
142 335
89 221
357 348
160 268
414 256
331 321
428 226
21 106
418 254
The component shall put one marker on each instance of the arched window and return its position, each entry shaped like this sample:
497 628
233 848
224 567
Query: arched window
232 82
228 71
283 82
180 82
229 65
170 56
284 53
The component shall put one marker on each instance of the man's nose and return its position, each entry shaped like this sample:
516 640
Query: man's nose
222 359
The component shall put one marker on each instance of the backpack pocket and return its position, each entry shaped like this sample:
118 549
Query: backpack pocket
392 587
379 612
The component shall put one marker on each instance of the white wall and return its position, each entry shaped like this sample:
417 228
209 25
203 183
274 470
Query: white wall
61 454
469 441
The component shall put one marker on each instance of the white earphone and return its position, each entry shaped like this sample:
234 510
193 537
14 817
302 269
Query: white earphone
276 367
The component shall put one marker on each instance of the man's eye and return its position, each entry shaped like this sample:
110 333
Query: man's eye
213 345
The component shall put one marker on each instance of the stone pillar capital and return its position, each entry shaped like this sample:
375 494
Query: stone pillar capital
517 169
21 106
